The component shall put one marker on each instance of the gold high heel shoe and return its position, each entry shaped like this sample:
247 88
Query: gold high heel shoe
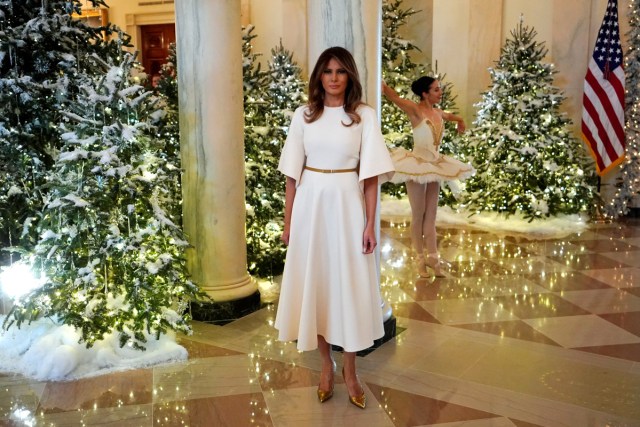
433 262
324 395
359 401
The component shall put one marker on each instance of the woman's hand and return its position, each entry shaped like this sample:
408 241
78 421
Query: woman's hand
368 240
461 127
285 235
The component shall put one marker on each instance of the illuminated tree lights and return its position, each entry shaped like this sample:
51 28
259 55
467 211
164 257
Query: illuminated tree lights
527 162
112 255
628 185
43 53
89 184
167 130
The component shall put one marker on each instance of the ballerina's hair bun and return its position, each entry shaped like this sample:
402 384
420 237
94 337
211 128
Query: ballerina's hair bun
422 85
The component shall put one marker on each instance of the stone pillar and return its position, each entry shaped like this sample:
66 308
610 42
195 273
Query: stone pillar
209 48
354 25
357 26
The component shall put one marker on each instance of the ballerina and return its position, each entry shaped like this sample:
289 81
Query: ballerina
423 168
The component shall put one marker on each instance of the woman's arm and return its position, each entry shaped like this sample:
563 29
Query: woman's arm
453 118
289 196
370 200
409 107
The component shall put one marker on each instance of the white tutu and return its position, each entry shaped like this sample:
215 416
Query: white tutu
424 163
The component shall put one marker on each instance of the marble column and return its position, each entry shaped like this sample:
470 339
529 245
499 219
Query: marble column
211 133
357 26
354 25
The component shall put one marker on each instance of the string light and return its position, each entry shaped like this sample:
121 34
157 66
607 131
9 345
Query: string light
628 185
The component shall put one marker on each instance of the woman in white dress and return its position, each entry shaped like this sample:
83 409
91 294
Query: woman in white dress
334 158
422 168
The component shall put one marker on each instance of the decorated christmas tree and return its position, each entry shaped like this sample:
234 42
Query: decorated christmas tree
285 92
526 159
399 71
112 255
43 54
168 129
270 98
629 184
259 159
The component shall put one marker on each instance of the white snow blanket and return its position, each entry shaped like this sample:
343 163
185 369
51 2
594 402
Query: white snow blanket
47 351
515 225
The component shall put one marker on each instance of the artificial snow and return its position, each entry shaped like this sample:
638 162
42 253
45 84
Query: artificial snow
47 351
514 225
13 191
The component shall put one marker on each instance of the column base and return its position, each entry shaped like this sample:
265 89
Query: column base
221 313
389 332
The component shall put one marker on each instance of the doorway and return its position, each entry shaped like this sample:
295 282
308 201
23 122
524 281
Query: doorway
154 46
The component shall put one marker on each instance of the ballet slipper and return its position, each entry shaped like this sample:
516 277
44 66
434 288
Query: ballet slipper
433 262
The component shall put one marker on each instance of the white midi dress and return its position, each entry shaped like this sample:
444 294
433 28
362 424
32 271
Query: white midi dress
329 287
424 163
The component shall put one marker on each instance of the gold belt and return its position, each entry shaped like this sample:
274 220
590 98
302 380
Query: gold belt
330 170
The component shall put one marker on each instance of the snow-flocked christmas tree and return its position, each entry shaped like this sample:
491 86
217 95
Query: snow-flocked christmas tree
526 159
112 255
270 97
629 185
43 54
398 71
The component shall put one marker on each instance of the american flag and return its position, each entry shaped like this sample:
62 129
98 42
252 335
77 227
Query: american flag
603 100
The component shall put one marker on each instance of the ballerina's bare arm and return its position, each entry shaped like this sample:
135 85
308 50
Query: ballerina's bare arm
409 107
453 118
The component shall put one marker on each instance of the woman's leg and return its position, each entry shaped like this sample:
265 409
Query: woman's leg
429 228
354 388
328 365
429 224
416 193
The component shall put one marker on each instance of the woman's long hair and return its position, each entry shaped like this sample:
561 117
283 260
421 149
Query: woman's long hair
353 94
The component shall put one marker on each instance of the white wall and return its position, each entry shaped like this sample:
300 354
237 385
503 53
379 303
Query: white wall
267 18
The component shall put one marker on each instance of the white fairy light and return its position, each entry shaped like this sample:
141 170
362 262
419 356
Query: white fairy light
18 280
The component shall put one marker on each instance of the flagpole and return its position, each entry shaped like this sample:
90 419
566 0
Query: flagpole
599 216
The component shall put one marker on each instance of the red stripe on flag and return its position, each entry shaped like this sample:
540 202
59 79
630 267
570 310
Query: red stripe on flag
606 102
606 137
596 143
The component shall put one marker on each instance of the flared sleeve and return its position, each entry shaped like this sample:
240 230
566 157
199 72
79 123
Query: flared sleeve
292 158
375 159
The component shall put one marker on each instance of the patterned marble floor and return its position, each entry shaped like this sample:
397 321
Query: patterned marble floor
521 333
